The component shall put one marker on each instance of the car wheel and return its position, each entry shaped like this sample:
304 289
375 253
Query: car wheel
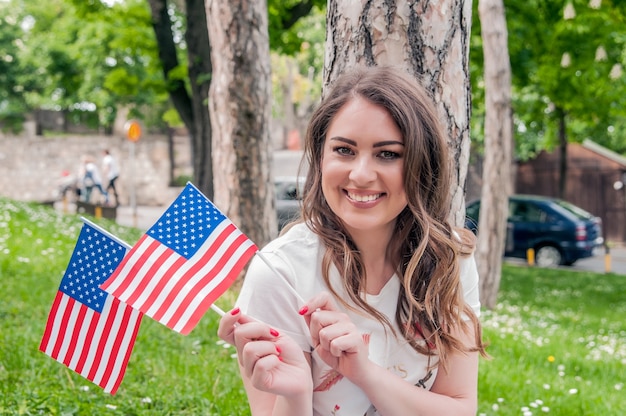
548 256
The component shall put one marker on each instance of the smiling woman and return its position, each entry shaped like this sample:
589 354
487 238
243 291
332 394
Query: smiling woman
389 322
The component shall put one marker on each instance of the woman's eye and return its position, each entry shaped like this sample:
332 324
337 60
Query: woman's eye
342 150
388 154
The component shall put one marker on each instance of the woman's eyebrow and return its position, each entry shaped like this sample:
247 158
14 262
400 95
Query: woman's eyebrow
378 144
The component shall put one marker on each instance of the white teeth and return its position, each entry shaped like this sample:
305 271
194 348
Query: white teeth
363 198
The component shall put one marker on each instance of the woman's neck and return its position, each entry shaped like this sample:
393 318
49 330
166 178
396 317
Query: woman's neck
379 263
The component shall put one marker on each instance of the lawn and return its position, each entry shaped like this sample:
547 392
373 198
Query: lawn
557 340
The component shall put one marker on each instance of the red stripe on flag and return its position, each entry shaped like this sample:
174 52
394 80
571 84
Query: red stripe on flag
219 290
123 283
126 357
82 360
50 323
189 274
119 336
215 271
104 336
149 275
67 312
75 333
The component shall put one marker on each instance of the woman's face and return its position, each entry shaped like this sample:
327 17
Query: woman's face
362 167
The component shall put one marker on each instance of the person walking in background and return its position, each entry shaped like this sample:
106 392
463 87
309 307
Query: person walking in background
91 178
370 306
111 172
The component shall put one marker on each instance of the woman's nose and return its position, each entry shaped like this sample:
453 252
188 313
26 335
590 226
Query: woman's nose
362 170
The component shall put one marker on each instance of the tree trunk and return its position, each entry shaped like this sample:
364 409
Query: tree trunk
200 71
431 41
239 103
497 174
191 109
562 153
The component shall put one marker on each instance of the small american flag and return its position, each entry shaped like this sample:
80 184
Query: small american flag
183 263
88 330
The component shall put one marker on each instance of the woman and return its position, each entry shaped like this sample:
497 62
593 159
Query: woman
369 305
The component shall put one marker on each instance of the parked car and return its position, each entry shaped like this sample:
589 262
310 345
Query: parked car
559 232
288 198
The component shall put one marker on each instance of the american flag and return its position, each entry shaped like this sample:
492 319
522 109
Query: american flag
183 263
88 330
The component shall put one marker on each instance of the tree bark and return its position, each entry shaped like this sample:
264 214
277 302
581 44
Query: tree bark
431 41
239 103
497 174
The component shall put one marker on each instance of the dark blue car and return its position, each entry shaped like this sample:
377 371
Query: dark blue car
559 232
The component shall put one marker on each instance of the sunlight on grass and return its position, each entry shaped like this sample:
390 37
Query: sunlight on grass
557 338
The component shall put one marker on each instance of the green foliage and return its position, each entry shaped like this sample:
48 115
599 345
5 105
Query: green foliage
558 67
557 340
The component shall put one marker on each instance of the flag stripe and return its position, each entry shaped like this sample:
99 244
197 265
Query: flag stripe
49 332
91 323
73 340
191 271
217 291
125 349
204 283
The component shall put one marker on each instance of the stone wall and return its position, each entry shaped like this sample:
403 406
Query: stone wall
31 167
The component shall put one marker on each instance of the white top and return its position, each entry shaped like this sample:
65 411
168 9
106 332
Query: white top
296 256
110 167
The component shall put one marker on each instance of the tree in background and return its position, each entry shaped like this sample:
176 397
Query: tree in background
497 174
431 41
240 109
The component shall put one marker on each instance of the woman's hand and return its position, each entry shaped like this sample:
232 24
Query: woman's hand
272 362
336 339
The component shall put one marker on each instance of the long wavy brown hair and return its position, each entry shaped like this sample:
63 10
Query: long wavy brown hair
425 247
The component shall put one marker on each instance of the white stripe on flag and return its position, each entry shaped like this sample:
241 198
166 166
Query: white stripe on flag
204 292
118 368
82 338
198 275
95 341
149 258
58 320
107 353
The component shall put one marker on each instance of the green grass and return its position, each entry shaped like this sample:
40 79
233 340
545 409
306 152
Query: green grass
557 338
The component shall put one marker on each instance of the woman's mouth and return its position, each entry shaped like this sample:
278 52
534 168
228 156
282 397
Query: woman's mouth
363 198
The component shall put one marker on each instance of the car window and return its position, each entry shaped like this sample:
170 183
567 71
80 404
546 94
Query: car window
580 213
522 211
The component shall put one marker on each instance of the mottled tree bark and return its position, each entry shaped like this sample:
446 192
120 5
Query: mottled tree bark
497 173
430 39
239 104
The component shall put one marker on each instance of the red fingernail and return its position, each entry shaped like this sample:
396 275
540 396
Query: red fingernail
280 358
234 311
274 332
304 310
278 350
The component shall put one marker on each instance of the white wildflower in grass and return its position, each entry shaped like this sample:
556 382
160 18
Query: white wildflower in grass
495 407
573 391
546 386
220 342
111 406
84 388
233 355
525 409
545 409
500 399
619 386
146 400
